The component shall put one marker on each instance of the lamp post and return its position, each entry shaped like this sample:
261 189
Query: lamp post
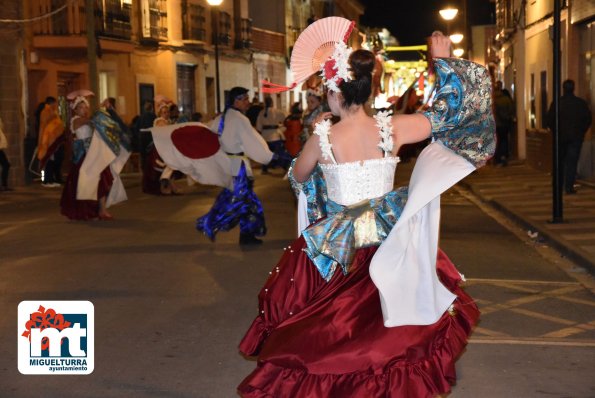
448 14
215 23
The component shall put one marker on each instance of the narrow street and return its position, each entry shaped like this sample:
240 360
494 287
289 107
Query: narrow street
171 307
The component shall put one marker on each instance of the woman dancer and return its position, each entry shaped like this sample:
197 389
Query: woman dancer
322 330
82 132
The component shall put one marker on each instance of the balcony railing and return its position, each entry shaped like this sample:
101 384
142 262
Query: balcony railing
267 41
224 29
112 18
504 14
193 22
244 33
154 20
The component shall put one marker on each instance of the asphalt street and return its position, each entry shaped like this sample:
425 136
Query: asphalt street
171 306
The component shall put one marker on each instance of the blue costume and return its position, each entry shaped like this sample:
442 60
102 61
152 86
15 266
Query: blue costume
237 205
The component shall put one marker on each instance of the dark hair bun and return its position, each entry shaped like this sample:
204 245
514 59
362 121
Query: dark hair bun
362 63
358 90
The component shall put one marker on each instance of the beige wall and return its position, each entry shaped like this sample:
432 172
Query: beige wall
538 9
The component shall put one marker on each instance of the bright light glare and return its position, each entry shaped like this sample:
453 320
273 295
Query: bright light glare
214 2
448 13
456 38
458 52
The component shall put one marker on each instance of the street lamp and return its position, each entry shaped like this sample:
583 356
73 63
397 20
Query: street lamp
456 38
458 52
215 23
448 14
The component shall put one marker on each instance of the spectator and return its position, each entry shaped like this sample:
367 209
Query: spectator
504 115
50 144
254 110
4 163
196 117
575 119
293 130
145 121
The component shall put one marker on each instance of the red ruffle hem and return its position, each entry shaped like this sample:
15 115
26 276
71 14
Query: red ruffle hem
320 339
83 209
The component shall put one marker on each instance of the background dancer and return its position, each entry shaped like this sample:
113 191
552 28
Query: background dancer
82 132
158 176
241 142
100 151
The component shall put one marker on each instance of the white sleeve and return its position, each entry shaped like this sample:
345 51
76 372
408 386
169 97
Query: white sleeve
255 147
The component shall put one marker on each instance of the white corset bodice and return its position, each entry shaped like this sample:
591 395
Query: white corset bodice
349 183
83 132
352 182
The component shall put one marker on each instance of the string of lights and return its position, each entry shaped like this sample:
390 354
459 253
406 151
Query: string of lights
40 17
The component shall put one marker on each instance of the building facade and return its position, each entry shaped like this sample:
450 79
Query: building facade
525 50
11 93
145 48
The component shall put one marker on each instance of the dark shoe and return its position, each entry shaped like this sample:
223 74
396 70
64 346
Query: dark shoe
165 187
248 239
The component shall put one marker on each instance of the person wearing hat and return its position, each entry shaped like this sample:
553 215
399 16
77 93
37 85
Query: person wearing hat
241 142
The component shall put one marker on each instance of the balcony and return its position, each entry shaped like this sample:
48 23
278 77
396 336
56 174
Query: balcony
112 18
224 29
67 29
268 41
153 20
193 23
244 34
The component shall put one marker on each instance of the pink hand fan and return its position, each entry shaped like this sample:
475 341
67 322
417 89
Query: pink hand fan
312 48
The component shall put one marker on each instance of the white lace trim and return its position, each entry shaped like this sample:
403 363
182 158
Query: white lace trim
360 163
384 122
323 130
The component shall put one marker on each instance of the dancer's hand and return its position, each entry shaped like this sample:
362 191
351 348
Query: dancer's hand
323 116
440 45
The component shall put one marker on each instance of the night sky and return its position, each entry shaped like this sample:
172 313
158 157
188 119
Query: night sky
411 21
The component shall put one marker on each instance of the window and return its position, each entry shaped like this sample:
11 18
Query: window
146 93
224 28
193 21
185 80
113 18
544 104
154 19
244 36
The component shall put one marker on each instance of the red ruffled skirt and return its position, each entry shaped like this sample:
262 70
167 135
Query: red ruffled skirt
83 209
327 339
